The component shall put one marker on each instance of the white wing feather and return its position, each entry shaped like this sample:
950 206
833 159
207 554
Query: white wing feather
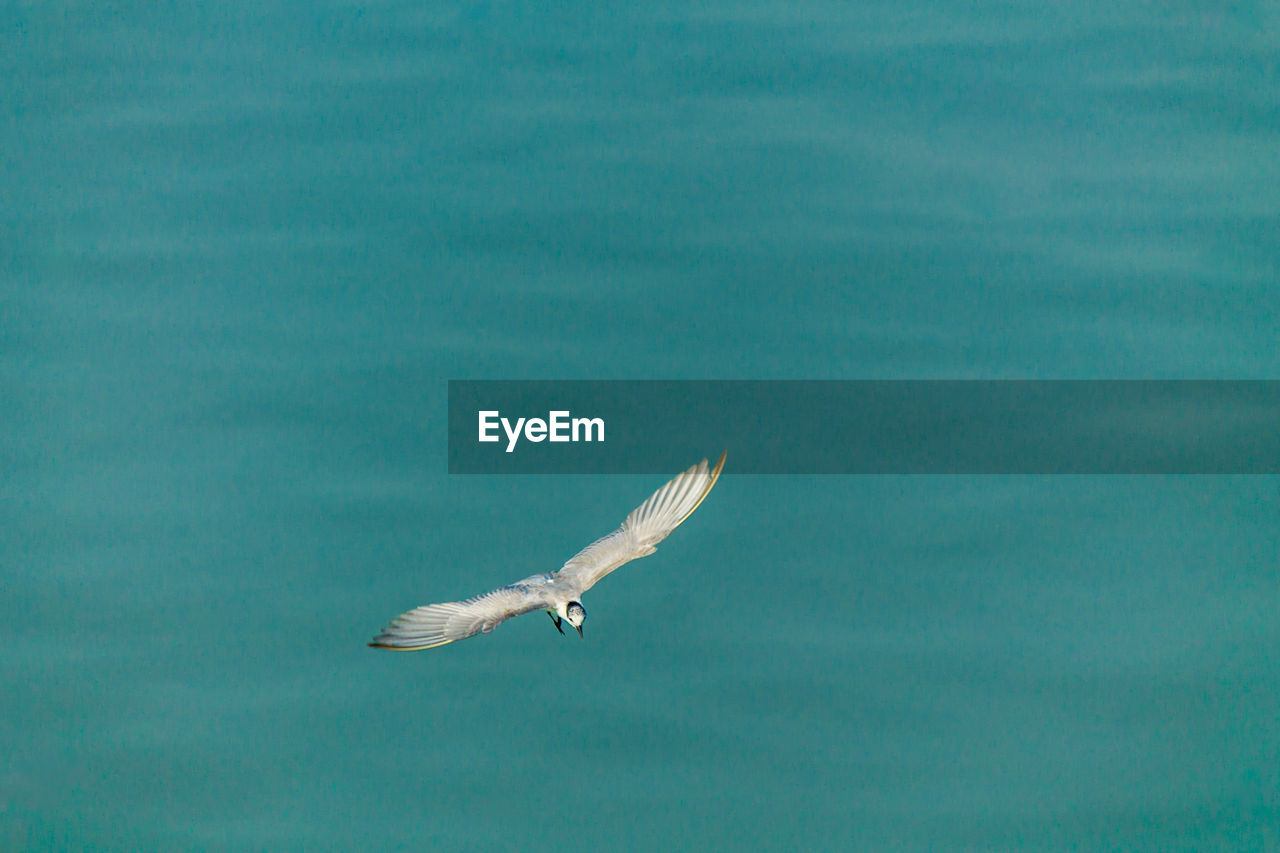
644 528
437 624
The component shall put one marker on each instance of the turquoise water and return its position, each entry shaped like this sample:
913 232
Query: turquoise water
245 247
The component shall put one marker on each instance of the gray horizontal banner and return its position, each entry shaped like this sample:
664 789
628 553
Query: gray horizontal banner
865 427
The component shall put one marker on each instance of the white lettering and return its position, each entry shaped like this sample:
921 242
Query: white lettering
587 424
559 424
512 434
486 424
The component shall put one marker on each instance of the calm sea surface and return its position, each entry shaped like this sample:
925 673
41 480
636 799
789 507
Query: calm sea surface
243 247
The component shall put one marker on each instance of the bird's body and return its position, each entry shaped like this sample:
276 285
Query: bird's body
558 593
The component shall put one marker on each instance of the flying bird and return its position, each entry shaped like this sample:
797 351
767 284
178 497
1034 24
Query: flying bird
558 593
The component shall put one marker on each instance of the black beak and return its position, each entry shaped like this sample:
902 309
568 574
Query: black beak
579 627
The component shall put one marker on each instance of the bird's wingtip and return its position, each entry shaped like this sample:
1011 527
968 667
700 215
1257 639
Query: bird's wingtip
715 472
395 647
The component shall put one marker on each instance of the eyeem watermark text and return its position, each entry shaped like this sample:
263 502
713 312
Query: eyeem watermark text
558 426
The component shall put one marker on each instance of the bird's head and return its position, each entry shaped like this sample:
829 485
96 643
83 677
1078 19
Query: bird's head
574 614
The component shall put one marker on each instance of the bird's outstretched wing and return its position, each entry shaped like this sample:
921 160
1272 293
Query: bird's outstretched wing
645 527
436 624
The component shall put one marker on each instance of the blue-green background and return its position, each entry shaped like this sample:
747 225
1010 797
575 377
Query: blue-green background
244 245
